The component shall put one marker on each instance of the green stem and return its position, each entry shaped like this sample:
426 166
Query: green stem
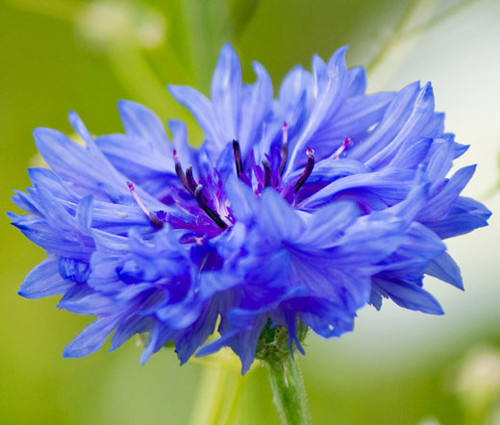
289 392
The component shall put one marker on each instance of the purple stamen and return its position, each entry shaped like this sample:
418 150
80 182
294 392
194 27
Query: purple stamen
267 172
180 172
155 221
196 190
284 148
203 203
307 171
237 158
190 181
347 141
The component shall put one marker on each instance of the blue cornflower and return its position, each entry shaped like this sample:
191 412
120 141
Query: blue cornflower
294 213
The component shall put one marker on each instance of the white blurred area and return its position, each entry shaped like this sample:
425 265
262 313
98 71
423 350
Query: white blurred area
112 23
461 57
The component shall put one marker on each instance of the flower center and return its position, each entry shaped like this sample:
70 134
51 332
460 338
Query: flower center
211 212
196 190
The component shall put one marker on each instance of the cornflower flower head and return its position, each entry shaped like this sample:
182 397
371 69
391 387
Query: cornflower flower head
295 212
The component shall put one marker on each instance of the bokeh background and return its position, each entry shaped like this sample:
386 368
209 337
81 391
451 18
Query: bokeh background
398 367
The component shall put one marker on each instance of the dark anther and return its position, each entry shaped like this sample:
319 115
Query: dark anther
155 221
191 182
237 158
194 189
267 172
180 172
202 202
284 148
307 171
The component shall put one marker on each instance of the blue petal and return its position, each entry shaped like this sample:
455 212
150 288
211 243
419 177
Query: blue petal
142 123
464 216
327 102
185 153
196 335
371 239
390 184
416 125
328 223
278 218
410 296
93 304
76 164
92 337
202 110
243 202
84 214
44 280
441 155
128 328
226 94
27 202
356 116
445 269
412 153
357 81
255 107
441 203
395 116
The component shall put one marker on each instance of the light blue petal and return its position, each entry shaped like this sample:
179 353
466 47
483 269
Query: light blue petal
410 296
93 304
185 152
390 184
357 81
44 280
202 110
464 216
356 116
91 338
244 204
255 107
226 94
140 122
395 116
129 327
412 153
441 203
27 202
416 126
84 214
441 156
279 219
445 269
327 225
326 104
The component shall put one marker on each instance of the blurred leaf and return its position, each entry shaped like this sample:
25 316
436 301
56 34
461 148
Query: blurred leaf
241 12
206 26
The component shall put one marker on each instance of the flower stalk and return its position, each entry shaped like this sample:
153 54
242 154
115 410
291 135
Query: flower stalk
289 392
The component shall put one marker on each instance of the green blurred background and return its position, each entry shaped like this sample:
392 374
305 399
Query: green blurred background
398 367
